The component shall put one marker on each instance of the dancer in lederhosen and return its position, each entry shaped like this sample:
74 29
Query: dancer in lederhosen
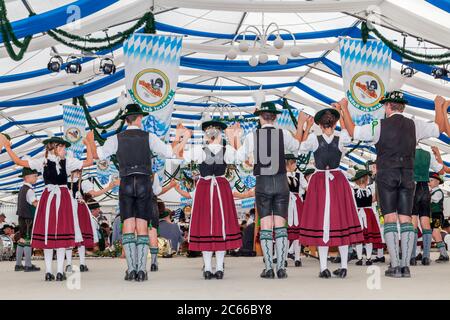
297 184
55 222
214 226
329 216
365 196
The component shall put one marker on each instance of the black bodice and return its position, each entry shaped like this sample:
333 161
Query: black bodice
51 176
365 200
214 164
74 188
327 156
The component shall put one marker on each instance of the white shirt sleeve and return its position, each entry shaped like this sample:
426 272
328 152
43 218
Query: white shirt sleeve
37 164
108 149
156 186
310 145
87 186
344 139
73 164
290 143
31 196
246 150
368 132
437 196
160 148
194 153
434 165
230 154
426 130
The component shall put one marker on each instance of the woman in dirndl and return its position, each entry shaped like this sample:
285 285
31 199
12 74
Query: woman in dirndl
329 217
55 223
297 185
214 226
365 196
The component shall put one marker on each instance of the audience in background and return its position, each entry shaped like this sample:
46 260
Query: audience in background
170 231
2 220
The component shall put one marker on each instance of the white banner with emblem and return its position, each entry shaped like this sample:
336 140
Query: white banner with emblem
74 123
366 70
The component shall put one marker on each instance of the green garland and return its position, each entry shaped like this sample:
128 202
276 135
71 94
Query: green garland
428 59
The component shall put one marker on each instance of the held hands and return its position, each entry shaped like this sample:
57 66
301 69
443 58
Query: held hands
439 101
303 117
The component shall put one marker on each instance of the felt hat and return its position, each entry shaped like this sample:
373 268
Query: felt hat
267 107
394 96
320 113
92 204
133 109
360 174
214 123
58 140
26 172
436 176
290 156
164 214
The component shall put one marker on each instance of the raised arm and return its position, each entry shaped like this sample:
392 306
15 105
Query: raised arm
90 140
302 119
309 124
89 158
111 185
182 192
346 119
14 157
169 186
437 155
244 195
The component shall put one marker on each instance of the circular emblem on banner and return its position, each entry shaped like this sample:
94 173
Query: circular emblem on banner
73 135
367 89
151 88
103 165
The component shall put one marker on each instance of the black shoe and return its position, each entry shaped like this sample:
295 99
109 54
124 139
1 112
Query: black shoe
83 268
405 272
359 262
369 262
393 272
326 274
379 260
291 256
269 274
442 259
154 267
60 276
282 274
298 263
19 268
130 276
336 260
426 261
208 275
141 276
31 268
285 264
413 262
340 273
49 277
219 275
419 256
69 268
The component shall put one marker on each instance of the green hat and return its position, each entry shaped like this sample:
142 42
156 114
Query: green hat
133 109
436 176
290 156
92 204
394 96
267 107
320 113
57 140
27 172
309 171
360 174
214 123
164 214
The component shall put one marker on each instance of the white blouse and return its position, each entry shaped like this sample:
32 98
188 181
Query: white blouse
72 164
198 155
312 143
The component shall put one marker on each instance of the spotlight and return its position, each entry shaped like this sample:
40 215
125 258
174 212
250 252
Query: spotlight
107 66
55 63
439 73
407 71
73 65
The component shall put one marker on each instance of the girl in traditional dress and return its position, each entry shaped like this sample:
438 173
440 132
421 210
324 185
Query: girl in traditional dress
329 216
365 196
55 223
214 223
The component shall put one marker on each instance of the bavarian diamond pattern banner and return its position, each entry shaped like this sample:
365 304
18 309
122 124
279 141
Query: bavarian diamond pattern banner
74 124
366 70
152 65
284 120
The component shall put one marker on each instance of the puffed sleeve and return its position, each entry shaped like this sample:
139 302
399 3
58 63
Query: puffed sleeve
310 145
37 164
73 164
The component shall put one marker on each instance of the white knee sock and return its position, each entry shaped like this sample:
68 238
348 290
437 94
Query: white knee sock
82 254
60 253
48 257
359 250
369 248
220 256
69 256
297 249
343 252
207 257
291 248
323 257
380 253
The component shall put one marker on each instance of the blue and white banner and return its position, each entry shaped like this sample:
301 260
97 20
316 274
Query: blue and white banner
366 71
107 172
248 203
284 120
152 64
74 124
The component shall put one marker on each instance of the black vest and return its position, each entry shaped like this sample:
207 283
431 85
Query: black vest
364 201
327 156
24 209
214 164
51 176
397 145
74 187
269 163
133 153
294 184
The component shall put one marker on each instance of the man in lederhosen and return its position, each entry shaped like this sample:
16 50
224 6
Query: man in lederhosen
26 207
134 148
395 139
266 149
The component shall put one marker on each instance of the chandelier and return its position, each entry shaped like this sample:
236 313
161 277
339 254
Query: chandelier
263 42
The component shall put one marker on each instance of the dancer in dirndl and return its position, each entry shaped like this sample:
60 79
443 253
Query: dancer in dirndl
55 223
329 216
365 196
214 226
